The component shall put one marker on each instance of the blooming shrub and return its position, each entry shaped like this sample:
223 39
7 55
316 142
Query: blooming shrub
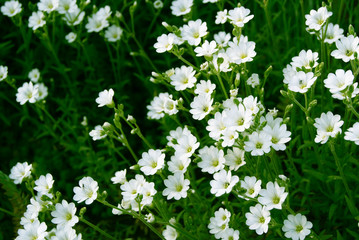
210 125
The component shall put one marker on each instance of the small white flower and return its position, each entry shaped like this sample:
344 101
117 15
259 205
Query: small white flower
328 125
235 158
149 217
212 159
306 59
36 20
223 182
273 196
178 164
222 39
346 47
176 186
253 80
158 4
239 16
258 144
20 171
333 34
66 6
43 185
205 87
3 72
207 49
219 223
241 52
194 31
113 33
164 43
258 219
221 17
120 177
87 191
183 78
34 75
339 81
181 7
71 37
251 185
48 5
302 82
27 93
105 98
74 18
35 230
170 233
100 132
316 19
296 227
201 106
64 214
152 161
352 134
11 8
230 234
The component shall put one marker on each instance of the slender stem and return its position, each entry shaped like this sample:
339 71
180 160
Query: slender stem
97 228
122 135
7 212
222 85
135 215
186 62
341 172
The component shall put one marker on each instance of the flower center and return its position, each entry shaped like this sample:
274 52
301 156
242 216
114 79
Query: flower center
250 191
179 188
262 220
259 145
68 216
276 200
298 228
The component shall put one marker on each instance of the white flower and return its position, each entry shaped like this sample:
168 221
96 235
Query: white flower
181 7
253 80
34 75
223 182
176 186
64 214
212 159
219 223
347 46
222 39
334 32
65 233
66 6
296 227
279 136
306 59
36 20
20 171
230 234
239 16
113 33
152 161
339 81
99 132
120 177
98 21
235 158
201 106
3 72
258 219
194 31
273 196
149 217
71 37
11 8
352 134
87 191
178 164
105 98
216 126
27 92
132 188
186 146
239 118
258 144
316 19
207 49
204 87
164 43
35 230
221 17
48 5
289 72
44 185
241 52
301 82
74 17
251 185
328 125
183 78
161 105
170 233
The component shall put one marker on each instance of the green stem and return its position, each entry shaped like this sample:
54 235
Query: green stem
122 135
222 85
7 212
97 228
